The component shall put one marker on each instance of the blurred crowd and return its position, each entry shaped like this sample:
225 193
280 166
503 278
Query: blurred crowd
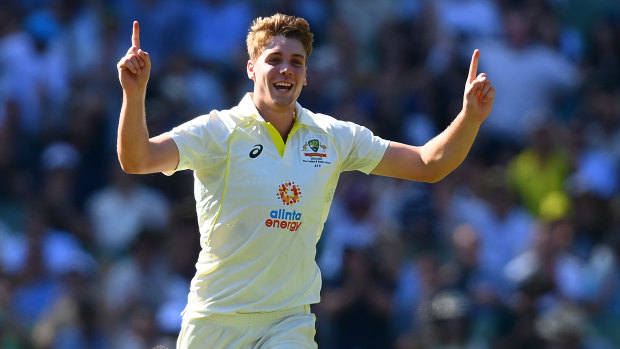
518 248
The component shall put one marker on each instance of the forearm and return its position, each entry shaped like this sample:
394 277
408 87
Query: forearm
133 136
444 153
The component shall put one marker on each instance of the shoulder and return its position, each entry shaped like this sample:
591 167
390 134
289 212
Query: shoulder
220 121
326 123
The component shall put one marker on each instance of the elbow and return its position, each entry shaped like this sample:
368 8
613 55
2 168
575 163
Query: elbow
130 167
437 168
434 174
425 176
433 177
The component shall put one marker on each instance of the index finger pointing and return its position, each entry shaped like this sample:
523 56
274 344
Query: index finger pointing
135 36
473 67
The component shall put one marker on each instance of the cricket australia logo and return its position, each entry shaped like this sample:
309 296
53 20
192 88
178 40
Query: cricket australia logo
315 152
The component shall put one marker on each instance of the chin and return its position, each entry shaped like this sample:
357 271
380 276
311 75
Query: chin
283 101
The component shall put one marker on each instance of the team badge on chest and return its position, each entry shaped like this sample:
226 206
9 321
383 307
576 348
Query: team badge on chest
315 152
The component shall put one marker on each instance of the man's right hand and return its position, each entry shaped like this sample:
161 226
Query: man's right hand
134 68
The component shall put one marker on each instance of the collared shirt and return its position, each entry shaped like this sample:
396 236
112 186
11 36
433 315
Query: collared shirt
262 203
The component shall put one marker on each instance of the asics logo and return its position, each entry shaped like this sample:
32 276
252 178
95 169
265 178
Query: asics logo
258 148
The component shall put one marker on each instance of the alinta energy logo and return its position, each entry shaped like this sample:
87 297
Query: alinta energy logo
289 193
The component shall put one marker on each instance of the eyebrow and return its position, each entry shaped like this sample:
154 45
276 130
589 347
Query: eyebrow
278 53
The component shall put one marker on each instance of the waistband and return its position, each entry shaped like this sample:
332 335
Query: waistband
255 319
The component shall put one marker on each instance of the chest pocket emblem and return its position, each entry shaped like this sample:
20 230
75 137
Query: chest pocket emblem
315 153
314 144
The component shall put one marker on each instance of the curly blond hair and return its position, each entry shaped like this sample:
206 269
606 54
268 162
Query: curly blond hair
264 29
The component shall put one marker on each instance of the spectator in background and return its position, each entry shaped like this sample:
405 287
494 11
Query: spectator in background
37 258
121 210
218 32
418 282
180 250
60 177
550 271
19 83
597 26
141 331
354 226
600 120
335 78
75 319
602 287
190 89
139 279
540 169
503 227
465 273
467 19
17 182
12 336
564 326
85 132
357 303
447 322
168 20
532 76
592 186
367 17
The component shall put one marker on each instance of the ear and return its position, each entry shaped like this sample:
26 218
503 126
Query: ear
250 70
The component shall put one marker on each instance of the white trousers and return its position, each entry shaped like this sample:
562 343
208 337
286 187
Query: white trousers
292 328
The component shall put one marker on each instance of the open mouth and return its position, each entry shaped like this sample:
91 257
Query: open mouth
283 86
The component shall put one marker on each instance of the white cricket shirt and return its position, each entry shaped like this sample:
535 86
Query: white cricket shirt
262 204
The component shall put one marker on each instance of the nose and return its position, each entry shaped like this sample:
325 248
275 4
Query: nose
284 70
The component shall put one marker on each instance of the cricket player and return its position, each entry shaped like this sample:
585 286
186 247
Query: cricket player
265 173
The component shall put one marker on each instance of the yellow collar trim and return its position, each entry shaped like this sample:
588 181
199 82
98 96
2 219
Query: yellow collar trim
277 139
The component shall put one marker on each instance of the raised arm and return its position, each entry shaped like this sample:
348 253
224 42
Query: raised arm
442 154
136 152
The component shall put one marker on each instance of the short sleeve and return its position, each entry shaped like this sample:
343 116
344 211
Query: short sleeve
202 142
360 149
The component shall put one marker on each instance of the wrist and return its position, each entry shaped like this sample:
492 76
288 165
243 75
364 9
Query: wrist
137 95
470 118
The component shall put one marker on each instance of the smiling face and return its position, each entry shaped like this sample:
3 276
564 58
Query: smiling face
279 74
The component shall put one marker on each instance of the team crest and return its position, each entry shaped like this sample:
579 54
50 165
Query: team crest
314 144
315 152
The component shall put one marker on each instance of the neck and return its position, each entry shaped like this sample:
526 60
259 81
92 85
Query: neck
283 123
281 118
